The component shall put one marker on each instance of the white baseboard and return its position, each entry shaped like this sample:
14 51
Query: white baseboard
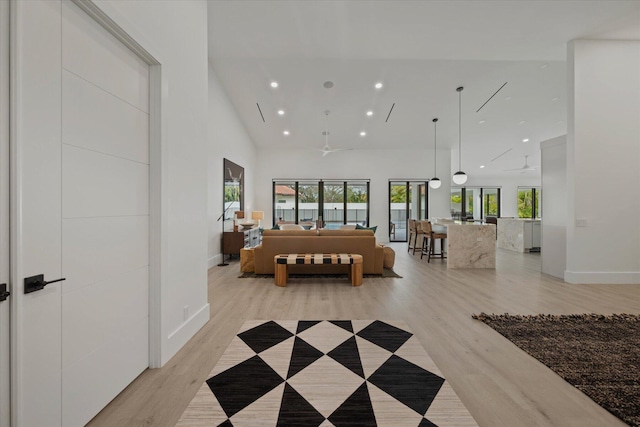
214 260
178 338
601 277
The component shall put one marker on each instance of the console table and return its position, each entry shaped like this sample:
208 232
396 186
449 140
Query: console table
236 240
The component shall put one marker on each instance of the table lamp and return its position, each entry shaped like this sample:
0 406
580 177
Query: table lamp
257 215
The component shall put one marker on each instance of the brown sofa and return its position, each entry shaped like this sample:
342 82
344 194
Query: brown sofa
361 242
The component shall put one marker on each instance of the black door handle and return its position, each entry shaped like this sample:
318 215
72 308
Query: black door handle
3 292
37 283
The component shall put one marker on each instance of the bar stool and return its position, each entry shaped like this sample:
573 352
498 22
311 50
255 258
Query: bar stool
429 249
411 227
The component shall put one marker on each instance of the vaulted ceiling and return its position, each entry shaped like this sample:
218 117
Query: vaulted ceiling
510 57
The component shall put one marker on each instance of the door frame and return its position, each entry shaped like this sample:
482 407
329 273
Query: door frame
408 183
111 20
5 260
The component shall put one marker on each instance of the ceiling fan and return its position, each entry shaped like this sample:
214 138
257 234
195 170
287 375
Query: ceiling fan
327 149
525 168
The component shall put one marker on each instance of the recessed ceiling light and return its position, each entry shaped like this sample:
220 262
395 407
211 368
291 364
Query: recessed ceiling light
525 140
543 66
481 166
378 85
281 112
522 122
481 121
363 133
286 133
369 113
274 84
328 84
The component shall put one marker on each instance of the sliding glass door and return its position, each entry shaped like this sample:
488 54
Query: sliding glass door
407 199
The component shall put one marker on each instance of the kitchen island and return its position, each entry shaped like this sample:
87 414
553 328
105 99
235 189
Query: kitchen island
519 235
469 244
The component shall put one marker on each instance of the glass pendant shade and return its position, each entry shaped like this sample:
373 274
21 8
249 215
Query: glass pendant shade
435 183
459 178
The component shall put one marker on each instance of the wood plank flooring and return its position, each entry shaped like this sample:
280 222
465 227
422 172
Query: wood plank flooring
500 384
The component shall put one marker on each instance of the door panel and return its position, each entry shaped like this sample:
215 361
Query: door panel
87 388
39 211
5 351
88 255
99 185
96 56
84 180
105 225
122 131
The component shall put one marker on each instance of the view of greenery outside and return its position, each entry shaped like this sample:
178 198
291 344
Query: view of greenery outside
308 193
490 207
308 202
526 205
399 194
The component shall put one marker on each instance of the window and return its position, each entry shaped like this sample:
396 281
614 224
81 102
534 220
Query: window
336 202
407 199
529 202
490 202
475 203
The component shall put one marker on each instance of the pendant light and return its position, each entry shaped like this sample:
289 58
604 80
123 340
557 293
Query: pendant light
459 177
435 181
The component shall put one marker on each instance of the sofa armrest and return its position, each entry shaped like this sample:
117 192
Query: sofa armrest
379 258
259 255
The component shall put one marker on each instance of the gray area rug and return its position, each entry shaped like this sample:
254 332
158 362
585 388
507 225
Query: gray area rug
387 272
599 355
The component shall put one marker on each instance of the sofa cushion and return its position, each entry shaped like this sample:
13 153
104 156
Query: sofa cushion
360 227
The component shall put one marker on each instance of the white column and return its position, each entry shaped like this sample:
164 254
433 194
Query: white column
603 162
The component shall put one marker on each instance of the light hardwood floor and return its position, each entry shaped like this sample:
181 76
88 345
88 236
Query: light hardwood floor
500 384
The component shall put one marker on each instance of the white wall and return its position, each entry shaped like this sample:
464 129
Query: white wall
227 139
554 206
176 32
377 165
603 152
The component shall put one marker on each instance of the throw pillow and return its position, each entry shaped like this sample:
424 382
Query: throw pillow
374 228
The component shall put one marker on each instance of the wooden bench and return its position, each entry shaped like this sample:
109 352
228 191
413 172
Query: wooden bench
281 262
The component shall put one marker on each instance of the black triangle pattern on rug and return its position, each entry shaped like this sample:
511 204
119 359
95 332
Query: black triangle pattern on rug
296 411
355 411
384 335
264 336
344 324
239 386
408 383
303 355
348 356
303 325
325 388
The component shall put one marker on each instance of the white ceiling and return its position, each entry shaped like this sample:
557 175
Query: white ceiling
421 51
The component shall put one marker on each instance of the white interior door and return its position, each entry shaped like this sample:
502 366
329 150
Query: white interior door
83 104
5 368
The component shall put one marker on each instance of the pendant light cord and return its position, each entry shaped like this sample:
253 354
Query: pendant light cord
460 128
435 141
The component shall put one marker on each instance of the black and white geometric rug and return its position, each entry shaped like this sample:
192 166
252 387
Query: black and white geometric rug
326 373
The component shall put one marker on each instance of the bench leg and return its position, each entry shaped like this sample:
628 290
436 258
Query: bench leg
356 274
281 275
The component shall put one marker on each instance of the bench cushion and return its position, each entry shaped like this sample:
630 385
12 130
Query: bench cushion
318 259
